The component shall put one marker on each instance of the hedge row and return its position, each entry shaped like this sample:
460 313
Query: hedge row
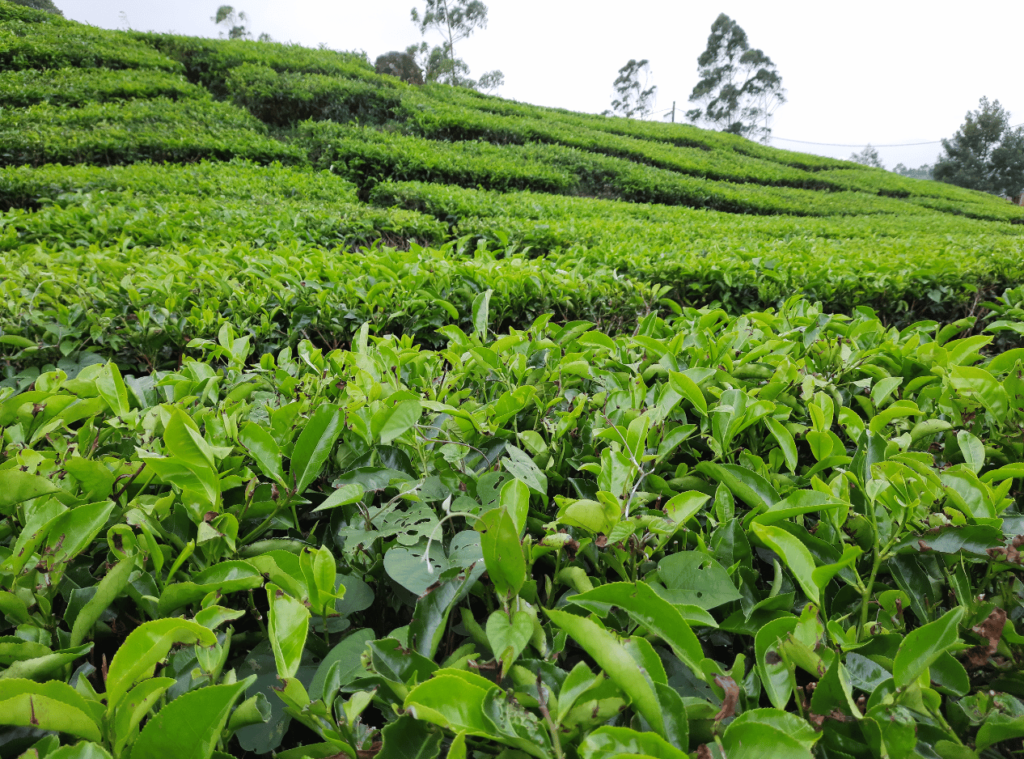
26 187
142 306
79 87
139 130
683 135
209 62
125 220
286 98
368 156
460 203
438 120
59 44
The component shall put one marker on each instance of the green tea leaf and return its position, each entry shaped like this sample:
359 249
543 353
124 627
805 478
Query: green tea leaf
750 487
503 554
265 450
793 553
972 449
451 702
190 726
314 445
17 487
609 742
62 707
921 647
749 740
109 588
507 637
647 608
287 629
45 713
135 706
391 422
409 738
342 496
691 577
785 440
144 647
687 388
616 662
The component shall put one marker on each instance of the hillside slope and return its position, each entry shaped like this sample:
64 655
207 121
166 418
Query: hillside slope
329 155
343 418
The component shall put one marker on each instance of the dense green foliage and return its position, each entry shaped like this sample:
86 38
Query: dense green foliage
42 5
739 88
210 62
345 417
986 153
287 98
79 87
27 42
138 130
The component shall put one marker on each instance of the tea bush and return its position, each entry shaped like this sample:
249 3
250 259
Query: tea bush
480 429
210 62
284 99
54 43
138 130
682 530
77 87
368 156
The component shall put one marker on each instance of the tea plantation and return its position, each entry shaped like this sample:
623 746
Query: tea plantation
346 418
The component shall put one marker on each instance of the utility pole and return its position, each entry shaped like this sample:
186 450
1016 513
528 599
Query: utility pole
673 111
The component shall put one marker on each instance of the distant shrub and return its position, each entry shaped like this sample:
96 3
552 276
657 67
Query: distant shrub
77 87
287 98
399 65
139 130
209 62
10 11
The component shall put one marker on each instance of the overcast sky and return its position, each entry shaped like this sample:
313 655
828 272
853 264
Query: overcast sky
889 72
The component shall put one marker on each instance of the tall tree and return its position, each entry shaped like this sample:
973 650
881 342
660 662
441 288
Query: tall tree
740 88
868 157
632 95
985 154
439 66
234 21
454 20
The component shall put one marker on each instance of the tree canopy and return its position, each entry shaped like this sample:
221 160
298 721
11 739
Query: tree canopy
868 157
985 154
921 172
739 88
454 20
234 21
633 98
401 65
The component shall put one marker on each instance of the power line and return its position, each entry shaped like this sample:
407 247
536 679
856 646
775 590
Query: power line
858 145
846 145
849 145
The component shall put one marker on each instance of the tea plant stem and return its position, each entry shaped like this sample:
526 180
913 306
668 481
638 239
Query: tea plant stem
554 577
130 479
266 522
866 595
445 440
552 728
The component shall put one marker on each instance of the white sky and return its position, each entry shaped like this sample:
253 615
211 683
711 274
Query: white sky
873 71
